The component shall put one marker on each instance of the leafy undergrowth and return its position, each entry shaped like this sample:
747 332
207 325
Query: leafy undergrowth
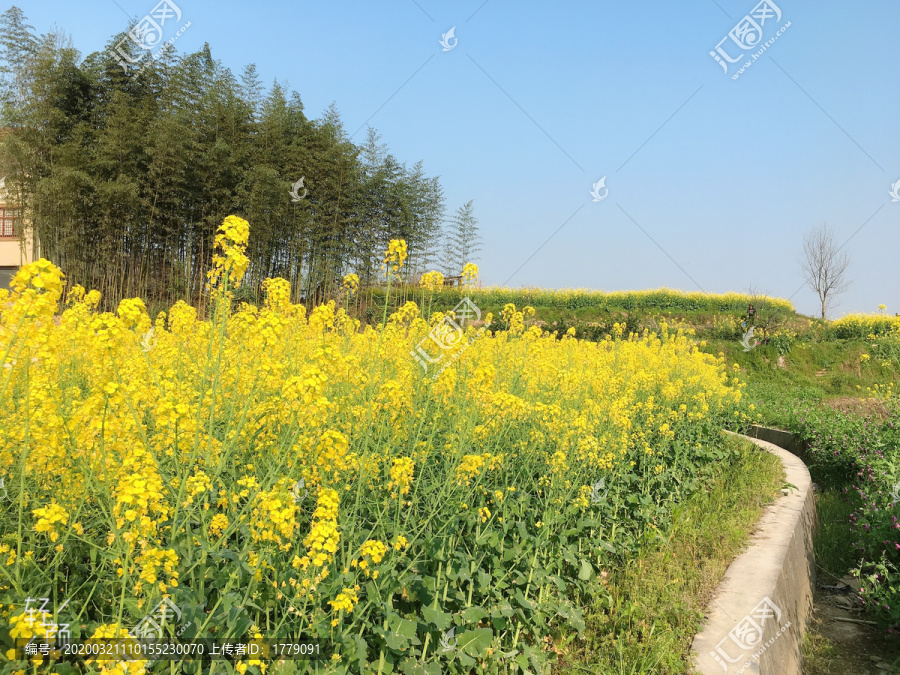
652 608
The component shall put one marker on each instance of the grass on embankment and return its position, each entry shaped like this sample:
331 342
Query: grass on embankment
833 540
653 607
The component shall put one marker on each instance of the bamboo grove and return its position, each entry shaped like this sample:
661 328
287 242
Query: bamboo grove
125 176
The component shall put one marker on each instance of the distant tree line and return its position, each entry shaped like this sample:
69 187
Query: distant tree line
126 175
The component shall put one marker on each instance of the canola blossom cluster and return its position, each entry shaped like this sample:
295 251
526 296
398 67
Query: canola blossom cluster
864 325
267 468
432 281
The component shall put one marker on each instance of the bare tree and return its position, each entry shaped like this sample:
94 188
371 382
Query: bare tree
824 266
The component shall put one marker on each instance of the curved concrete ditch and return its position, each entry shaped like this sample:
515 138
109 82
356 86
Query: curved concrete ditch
756 621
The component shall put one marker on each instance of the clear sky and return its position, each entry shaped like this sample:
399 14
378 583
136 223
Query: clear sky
712 181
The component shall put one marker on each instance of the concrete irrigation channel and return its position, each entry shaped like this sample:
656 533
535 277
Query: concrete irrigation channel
756 621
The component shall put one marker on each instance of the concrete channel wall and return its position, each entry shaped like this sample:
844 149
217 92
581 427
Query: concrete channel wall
756 620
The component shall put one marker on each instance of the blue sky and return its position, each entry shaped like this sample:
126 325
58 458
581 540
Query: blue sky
712 181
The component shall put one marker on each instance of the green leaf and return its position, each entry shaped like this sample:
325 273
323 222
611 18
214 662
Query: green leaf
475 642
534 657
226 554
466 660
362 648
404 627
577 621
586 570
559 583
525 602
285 667
522 662
473 614
439 619
228 601
396 641
372 591
131 604
412 667
523 531
237 621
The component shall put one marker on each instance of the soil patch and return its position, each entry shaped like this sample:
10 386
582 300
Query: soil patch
867 407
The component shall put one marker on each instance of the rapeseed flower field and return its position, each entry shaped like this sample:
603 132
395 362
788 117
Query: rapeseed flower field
865 325
657 300
272 472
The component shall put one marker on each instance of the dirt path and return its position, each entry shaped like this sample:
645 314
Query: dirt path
840 645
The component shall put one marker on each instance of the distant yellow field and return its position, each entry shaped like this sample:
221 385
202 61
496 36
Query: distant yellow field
863 325
660 299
